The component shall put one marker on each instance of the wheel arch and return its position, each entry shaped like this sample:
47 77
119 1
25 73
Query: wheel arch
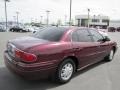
75 60
114 49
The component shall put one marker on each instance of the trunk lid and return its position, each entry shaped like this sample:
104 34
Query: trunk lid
23 43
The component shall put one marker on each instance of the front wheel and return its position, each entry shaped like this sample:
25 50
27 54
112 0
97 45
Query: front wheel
12 30
110 56
65 71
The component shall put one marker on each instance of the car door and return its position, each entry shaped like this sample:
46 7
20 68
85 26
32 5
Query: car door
83 47
103 46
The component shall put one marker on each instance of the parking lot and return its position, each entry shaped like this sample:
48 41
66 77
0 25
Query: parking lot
101 76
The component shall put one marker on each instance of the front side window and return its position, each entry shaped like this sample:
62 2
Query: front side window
81 36
96 35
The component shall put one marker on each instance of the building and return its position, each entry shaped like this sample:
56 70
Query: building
10 23
94 21
114 23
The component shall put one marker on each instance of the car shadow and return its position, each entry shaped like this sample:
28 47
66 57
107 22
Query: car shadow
89 68
9 81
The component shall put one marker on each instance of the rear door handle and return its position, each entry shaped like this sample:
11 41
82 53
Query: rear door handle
76 48
99 46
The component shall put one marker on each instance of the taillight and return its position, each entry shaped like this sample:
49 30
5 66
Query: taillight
26 57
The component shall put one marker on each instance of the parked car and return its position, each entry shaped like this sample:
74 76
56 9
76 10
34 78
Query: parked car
57 51
118 29
111 29
103 32
18 29
2 29
29 28
35 29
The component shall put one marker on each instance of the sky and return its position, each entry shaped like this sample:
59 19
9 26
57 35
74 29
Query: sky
32 10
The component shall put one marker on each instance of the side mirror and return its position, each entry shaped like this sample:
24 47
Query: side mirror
106 38
34 31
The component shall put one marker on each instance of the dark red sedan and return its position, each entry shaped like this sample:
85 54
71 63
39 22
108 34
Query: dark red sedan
58 51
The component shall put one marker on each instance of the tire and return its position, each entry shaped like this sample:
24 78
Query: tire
20 31
110 56
65 71
12 30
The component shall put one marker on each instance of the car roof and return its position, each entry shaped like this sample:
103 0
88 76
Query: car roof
73 27
70 28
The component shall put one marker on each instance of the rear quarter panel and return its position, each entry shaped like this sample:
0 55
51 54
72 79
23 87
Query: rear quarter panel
54 52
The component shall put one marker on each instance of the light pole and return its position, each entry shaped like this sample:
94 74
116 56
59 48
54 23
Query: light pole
17 13
41 19
65 20
47 17
88 17
31 20
70 12
14 19
6 11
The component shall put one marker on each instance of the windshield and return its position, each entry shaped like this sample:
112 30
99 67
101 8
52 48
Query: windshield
50 33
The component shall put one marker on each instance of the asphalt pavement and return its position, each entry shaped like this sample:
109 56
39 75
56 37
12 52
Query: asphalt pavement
101 76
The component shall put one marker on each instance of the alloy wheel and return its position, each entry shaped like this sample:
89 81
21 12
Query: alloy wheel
66 71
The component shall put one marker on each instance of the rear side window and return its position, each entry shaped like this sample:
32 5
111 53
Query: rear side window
50 34
75 36
81 36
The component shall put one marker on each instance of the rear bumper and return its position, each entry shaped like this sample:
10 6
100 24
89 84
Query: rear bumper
33 71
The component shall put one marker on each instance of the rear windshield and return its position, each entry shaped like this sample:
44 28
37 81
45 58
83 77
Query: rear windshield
50 33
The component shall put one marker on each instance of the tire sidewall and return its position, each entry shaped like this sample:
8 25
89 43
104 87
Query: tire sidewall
109 58
12 30
20 31
60 68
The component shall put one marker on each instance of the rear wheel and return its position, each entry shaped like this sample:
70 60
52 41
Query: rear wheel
65 71
110 56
